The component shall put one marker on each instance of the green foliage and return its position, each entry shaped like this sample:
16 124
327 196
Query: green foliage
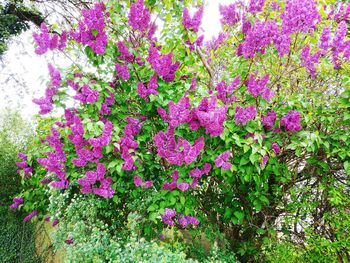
95 241
15 136
14 19
17 239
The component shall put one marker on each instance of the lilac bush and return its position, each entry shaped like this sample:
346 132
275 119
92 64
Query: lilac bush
186 133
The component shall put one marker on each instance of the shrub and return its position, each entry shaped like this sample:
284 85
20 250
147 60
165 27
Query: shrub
247 133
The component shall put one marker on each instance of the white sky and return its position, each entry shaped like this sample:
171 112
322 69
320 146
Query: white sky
21 59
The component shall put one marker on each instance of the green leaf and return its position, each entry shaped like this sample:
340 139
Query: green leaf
239 215
347 167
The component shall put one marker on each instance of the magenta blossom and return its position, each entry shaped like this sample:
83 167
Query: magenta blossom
243 115
91 30
31 215
276 148
194 22
17 201
221 161
139 16
269 120
230 15
167 218
45 40
291 121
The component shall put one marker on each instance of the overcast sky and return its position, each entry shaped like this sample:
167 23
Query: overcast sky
32 69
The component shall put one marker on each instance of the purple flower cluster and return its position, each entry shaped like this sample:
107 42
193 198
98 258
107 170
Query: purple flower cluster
258 87
178 113
230 15
300 16
181 186
31 215
264 161
128 143
85 155
291 121
122 71
85 95
17 201
139 16
194 22
215 43
151 88
276 148
198 173
308 61
145 184
258 38
256 6
92 177
343 13
55 161
177 153
46 103
77 128
125 55
282 43
225 91
168 218
324 41
209 116
339 45
163 64
275 6
243 115
184 221
193 84
268 121
105 138
246 25
27 170
109 101
46 41
90 30
221 161
197 43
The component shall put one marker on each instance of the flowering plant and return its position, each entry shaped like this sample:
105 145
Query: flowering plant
156 117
